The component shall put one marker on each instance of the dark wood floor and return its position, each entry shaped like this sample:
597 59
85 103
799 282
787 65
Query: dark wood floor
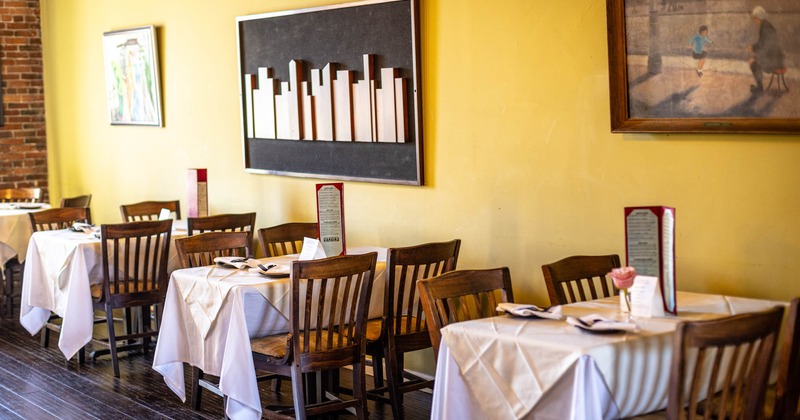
38 383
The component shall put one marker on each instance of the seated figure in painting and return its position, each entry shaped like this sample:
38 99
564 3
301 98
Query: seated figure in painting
767 52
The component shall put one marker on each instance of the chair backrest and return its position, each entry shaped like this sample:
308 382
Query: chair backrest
787 395
286 238
79 201
405 267
244 222
732 356
462 295
148 210
580 278
135 258
328 310
20 195
59 218
200 250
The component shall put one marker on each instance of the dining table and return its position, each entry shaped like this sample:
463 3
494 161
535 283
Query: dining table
509 367
15 229
61 267
211 313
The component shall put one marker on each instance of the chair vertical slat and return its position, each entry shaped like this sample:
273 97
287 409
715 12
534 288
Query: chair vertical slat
402 286
695 389
307 318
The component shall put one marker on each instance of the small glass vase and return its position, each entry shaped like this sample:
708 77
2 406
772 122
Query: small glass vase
625 303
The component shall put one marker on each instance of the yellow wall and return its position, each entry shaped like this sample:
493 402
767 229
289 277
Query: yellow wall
520 161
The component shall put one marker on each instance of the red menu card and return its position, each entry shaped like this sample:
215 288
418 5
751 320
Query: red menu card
650 244
196 193
330 218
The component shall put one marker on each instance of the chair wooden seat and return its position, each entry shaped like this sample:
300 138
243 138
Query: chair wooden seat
375 327
580 278
277 347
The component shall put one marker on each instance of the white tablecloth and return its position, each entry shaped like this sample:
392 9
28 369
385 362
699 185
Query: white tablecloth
60 269
503 368
211 313
15 231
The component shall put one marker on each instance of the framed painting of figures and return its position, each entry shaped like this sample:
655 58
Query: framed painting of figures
703 66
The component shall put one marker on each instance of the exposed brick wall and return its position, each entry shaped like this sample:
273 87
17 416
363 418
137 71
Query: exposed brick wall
23 146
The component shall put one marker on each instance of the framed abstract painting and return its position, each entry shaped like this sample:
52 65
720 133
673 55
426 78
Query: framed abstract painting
133 90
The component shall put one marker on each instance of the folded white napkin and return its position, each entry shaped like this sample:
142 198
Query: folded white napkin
83 227
272 270
599 323
528 310
237 262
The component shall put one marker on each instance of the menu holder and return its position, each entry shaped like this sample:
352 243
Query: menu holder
197 192
330 218
650 244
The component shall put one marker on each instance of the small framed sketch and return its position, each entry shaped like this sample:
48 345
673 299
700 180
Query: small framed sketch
133 90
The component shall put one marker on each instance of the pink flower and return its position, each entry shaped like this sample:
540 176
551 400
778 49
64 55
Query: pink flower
623 277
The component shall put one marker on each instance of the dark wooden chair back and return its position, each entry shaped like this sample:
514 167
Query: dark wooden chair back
580 278
148 210
787 392
135 257
200 250
243 222
462 295
286 238
59 218
79 201
747 342
406 266
20 195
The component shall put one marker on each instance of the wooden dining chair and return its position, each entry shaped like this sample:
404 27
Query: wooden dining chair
462 295
403 328
148 210
79 201
20 195
328 319
720 367
197 251
135 258
787 389
55 219
580 278
286 238
243 222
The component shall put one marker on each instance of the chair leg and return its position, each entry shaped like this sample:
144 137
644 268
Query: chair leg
146 327
394 371
197 375
377 370
298 393
783 79
112 341
360 389
44 339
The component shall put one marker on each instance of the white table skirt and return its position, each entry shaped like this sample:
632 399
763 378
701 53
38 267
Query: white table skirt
60 269
502 368
208 321
15 231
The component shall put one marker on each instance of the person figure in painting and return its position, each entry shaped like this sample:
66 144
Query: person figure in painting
768 55
698 45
